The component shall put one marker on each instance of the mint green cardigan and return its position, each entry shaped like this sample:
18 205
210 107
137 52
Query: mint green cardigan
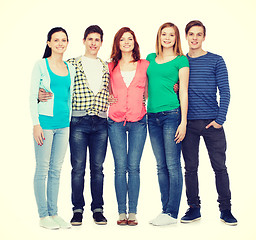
40 79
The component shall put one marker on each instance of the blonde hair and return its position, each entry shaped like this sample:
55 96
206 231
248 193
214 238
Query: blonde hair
177 46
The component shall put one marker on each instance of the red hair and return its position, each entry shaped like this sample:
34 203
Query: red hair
116 53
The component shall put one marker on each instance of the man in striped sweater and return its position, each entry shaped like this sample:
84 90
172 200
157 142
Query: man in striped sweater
206 116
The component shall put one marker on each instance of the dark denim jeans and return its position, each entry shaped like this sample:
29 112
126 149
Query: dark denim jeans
215 142
127 143
88 132
162 128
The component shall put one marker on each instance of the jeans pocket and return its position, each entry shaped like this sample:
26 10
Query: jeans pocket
143 121
110 121
75 120
217 129
207 122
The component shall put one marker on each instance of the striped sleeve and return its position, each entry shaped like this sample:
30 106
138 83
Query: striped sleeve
224 90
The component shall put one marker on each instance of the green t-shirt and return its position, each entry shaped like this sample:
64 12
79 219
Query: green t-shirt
161 79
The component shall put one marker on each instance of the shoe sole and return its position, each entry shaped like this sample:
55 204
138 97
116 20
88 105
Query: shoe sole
230 224
100 223
50 228
190 221
76 223
65 227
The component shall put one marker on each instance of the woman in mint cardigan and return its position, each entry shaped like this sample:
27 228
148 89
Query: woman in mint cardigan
51 124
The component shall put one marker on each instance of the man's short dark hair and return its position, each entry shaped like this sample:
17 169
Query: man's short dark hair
93 29
193 24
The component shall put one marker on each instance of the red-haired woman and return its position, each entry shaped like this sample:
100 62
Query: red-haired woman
127 126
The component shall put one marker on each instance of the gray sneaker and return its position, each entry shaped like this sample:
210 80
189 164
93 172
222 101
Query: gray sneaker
47 222
63 224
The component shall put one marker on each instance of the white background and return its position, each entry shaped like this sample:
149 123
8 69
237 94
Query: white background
230 33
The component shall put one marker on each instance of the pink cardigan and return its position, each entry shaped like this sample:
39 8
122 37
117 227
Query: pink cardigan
129 106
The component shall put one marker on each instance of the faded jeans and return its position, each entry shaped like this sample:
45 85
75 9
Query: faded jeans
49 159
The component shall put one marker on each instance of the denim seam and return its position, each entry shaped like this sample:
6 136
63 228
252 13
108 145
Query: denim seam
78 210
98 210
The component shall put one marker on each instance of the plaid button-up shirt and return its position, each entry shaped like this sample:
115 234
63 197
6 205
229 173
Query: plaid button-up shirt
83 97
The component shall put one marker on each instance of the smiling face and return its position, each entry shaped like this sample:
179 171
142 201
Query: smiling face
168 37
92 44
58 43
126 43
195 37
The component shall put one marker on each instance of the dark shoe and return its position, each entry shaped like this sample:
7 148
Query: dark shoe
192 214
99 218
77 219
227 217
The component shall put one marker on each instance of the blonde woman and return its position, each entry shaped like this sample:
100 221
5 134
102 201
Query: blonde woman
167 117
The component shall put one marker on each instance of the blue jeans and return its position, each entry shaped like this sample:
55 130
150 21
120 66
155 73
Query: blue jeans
49 159
88 132
215 142
162 128
127 156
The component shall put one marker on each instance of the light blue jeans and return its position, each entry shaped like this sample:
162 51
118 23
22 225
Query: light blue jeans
49 159
127 143
162 128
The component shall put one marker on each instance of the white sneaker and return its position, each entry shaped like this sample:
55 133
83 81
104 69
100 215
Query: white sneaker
61 223
164 219
153 220
47 222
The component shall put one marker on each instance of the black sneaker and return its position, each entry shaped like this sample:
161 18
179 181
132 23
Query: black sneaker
192 214
77 219
99 218
227 217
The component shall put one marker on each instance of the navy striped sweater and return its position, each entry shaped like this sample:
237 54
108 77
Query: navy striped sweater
207 74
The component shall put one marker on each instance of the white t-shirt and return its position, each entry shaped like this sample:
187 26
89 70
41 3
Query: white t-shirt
128 77
93 70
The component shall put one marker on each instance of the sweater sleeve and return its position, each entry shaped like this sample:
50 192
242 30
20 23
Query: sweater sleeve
34 88
224 90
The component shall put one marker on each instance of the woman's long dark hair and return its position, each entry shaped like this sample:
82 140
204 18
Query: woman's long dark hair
48 51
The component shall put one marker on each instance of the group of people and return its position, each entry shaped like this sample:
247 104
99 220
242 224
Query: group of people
85 101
